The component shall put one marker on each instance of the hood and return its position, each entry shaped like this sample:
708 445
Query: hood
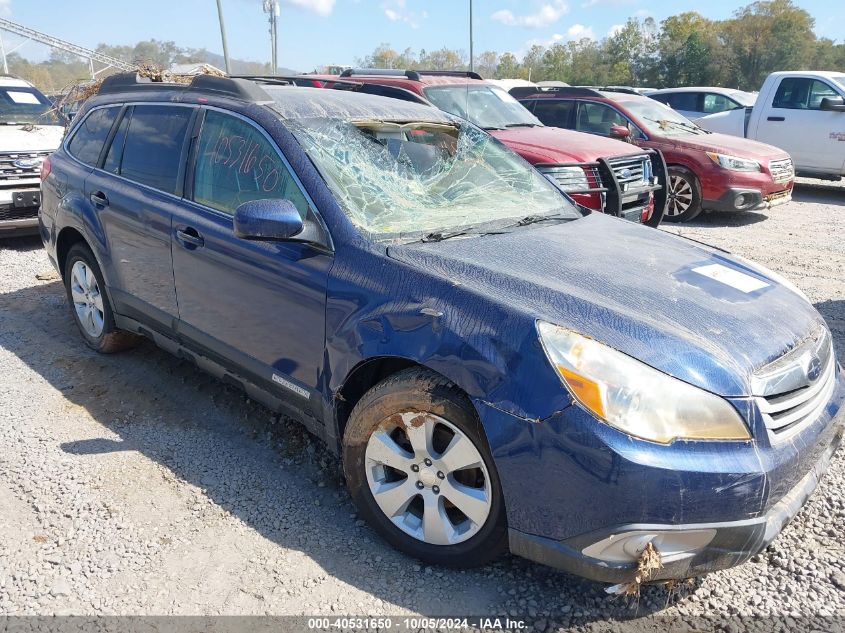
687 309
726 144
22 138
554 145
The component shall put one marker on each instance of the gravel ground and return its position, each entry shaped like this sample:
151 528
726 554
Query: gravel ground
133 484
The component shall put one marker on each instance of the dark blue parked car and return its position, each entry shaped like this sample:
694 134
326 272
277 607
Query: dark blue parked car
497 367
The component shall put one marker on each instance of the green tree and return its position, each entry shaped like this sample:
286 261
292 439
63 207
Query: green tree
487 63
509 67
557 63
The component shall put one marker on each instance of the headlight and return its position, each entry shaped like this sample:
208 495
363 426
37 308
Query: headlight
734 163
635 398
569 179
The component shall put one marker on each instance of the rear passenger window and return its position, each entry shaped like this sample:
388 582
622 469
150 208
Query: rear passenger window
555 113
714 103
152 151
87 142
236 163
687 101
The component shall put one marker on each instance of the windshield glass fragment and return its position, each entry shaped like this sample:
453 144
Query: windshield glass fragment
412 179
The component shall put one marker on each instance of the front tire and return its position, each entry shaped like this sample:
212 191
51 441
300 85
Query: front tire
684 203
418 467
89 304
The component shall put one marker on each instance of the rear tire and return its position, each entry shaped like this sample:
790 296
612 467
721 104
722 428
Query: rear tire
90 305
684 202
414 441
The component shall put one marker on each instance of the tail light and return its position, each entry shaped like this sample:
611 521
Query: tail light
648 209
46 168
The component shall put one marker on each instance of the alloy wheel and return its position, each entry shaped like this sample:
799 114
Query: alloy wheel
428 478
87 299
680 195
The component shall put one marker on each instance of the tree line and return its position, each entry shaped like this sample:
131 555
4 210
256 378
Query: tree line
686 49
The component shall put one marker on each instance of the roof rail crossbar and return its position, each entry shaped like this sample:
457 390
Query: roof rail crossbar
243 89
381 72
451 73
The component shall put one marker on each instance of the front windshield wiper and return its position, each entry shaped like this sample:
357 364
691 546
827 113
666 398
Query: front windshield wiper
439 236
521 125
692 127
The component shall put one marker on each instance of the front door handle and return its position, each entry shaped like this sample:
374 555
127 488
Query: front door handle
190 237
776 118
99 199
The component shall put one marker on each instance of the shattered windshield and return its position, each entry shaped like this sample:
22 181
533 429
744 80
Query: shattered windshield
489 107
406 180
26 106
657 118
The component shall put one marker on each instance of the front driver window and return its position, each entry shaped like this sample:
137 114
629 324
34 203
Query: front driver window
597 118
236 164
802 93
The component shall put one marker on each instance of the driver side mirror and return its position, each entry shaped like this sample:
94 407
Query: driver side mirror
620 131
833 104
268 220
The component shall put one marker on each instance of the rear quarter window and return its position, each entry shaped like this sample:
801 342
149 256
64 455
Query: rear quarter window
91 135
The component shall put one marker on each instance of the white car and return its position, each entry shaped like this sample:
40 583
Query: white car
30 130
698 102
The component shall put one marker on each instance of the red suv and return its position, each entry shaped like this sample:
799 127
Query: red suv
602 174
706 171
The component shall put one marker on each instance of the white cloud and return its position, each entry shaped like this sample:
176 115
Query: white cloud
396 11
547 15
579 32
613 30
320 7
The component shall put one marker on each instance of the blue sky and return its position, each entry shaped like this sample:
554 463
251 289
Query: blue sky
315 32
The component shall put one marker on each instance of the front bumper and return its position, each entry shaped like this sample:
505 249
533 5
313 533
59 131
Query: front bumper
732 542
19 211
744 199
574 486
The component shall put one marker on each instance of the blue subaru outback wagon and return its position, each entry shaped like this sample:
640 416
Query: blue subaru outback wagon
498 368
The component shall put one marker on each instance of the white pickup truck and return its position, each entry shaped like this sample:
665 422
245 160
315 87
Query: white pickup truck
802 112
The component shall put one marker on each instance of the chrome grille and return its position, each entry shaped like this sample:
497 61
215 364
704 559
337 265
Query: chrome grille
796 388
631 171
570 177
9 171
782 170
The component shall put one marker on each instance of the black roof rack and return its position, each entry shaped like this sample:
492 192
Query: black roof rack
628 90
237 88
521 92
413 75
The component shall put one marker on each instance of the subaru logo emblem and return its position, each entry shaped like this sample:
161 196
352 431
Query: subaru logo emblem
814 369
626 173
27 163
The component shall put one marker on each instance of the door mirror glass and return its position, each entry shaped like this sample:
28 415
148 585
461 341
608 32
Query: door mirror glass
833 104
620 131
268 220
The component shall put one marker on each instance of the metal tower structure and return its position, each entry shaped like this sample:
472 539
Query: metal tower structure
54 42
271 8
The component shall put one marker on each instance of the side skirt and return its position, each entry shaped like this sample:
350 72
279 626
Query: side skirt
228 376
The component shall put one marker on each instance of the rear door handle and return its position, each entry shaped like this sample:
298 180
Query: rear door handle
99 199
190 237
776 118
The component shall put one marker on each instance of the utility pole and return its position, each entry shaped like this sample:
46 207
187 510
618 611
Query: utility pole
223 36
471 56
3 51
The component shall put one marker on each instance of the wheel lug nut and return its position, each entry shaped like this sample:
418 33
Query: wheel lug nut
435 489
427 461
415 468
420 485
440 475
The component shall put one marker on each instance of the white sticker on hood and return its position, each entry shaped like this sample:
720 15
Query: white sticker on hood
731 277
